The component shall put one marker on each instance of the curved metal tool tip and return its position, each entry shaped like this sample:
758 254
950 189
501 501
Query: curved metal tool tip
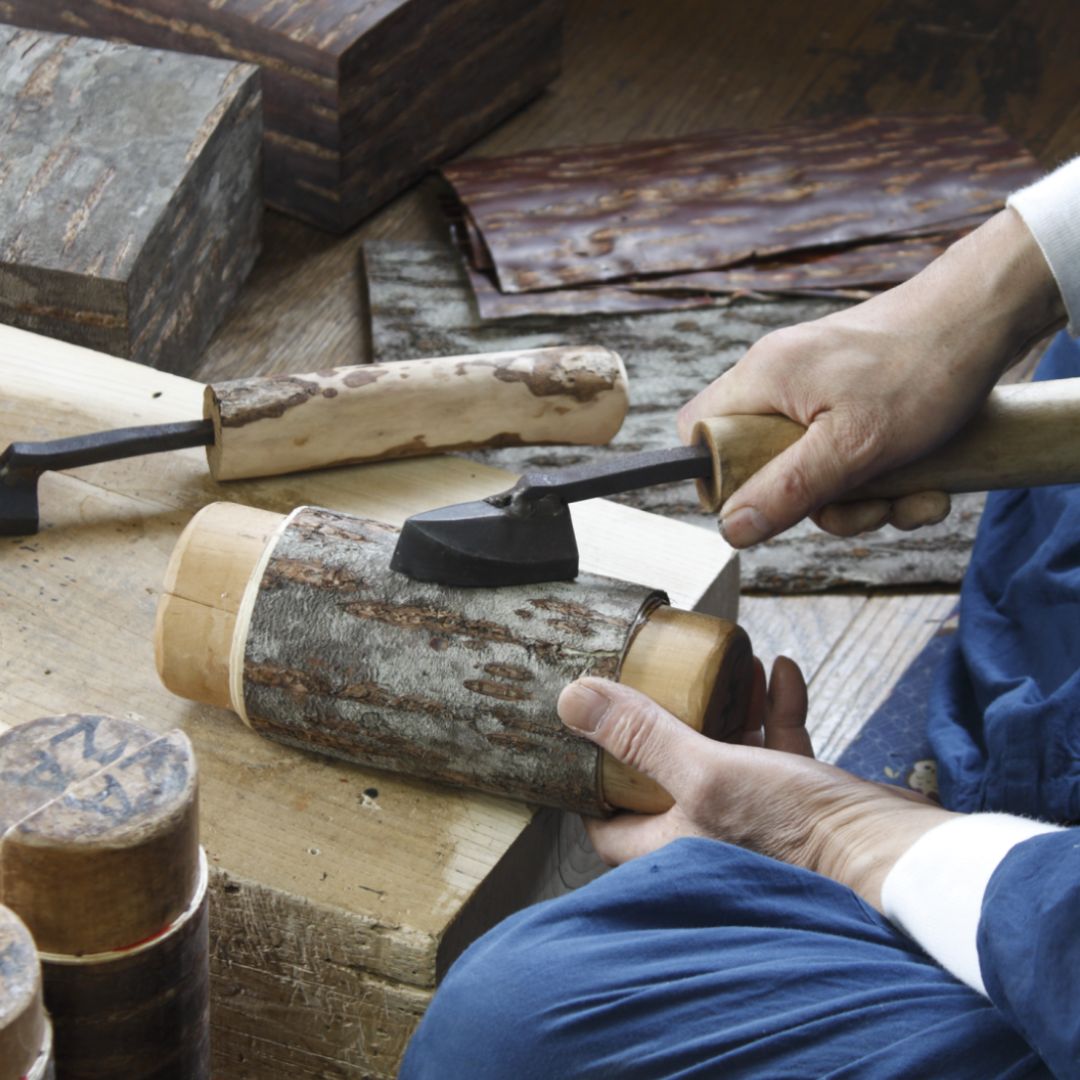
478 545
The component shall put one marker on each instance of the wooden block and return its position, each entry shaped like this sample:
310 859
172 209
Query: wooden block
25 1031
100 856
339 894
129 193
362 97
418 303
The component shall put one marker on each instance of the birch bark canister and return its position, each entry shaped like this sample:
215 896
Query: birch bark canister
99 856
330 650
25 1031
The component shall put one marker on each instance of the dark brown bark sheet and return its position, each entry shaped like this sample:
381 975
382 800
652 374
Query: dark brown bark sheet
571 216
848 273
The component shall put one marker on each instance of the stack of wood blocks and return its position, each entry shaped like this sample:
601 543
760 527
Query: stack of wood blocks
130 202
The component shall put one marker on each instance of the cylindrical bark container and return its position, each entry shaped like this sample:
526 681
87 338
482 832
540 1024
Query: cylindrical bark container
299 625
25 1031
99 855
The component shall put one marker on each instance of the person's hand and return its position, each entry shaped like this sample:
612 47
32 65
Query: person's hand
768 794
881 383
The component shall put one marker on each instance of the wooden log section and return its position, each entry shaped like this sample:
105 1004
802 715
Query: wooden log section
99 856
1025 435
25 1031
287 423
331 651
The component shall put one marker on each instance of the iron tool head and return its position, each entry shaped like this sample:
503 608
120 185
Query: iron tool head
22 463
18 496
497 541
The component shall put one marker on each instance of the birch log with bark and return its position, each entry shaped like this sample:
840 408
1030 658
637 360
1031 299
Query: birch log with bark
25 1031
99 855
332 651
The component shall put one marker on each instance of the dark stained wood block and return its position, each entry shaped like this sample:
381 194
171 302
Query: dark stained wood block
130 202
362 96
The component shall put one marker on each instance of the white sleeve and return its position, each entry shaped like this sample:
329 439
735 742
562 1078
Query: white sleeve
1051 210
935 891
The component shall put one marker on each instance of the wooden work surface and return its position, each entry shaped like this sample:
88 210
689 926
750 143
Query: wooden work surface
338 894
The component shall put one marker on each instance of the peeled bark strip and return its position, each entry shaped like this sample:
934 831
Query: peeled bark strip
553 218
99 856
346 657
849 273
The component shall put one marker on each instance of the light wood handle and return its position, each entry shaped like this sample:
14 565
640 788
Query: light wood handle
289 423
1026 435
696 666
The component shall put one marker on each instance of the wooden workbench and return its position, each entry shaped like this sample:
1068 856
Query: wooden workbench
329 935
338 895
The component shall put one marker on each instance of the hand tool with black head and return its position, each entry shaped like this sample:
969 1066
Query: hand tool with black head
1025 435
277 424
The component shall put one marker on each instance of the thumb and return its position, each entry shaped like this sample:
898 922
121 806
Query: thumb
786 489
633 729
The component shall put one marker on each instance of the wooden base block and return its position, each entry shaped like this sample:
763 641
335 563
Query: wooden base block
25 1031
361 98
99 855
129 193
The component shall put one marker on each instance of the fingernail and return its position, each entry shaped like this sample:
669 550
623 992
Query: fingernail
745 526
581 707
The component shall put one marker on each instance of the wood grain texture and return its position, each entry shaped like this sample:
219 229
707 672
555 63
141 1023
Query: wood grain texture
846 274
362 96
129 193
25 1031
334 888
852 650
99 854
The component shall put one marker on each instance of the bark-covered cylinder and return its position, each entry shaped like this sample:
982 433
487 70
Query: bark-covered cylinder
344 656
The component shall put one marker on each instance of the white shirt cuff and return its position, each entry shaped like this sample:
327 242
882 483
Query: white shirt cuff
934 892
1051 210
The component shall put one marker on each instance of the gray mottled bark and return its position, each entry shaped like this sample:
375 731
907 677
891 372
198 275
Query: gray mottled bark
130 201
346 657
350 120
419 304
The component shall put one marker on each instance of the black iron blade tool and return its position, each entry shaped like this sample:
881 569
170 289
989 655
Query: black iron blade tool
1026 435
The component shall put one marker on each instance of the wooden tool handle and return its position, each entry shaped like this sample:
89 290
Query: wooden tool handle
289 423
696 666
1027 434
